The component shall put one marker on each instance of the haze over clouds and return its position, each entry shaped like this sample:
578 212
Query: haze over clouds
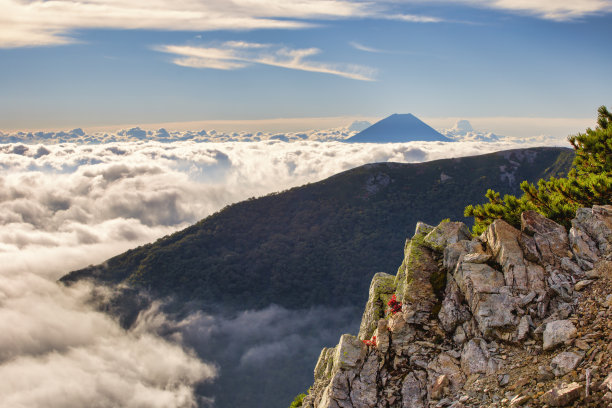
552 132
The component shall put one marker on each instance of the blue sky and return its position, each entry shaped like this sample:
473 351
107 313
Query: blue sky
104 62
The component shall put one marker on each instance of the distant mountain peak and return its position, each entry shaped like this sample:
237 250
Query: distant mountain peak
398 128
359 125
463 126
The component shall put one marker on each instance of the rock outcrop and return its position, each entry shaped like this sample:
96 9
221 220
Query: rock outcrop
511 318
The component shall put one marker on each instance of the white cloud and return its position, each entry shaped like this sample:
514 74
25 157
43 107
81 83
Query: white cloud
556 10
43 23
365 48
77 204
412 18
56 351
35 22
559 10
235 55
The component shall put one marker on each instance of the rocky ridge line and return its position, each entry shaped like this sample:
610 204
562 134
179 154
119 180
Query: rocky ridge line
511 318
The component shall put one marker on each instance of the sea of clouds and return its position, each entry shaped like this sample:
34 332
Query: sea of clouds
64 205
462 131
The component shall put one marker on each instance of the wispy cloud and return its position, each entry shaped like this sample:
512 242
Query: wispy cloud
38 23
556 10
236 55
413 18
54 22
365 48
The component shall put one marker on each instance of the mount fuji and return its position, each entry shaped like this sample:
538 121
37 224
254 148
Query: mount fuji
398 128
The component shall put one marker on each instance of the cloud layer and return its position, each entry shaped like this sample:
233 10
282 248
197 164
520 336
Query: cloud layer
559 127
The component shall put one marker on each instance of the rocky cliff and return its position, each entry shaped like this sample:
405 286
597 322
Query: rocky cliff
511 318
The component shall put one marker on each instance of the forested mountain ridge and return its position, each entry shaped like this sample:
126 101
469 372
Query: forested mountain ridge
318 244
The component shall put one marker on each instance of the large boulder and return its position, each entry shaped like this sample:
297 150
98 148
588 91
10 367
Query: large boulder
382 288
414 280
503 241
550 238
591 234
453 311
446 233
349 352
490 301
454 253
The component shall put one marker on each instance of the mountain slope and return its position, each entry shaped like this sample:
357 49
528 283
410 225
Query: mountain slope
318 244
398 128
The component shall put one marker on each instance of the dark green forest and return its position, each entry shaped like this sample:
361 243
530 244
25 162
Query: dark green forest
319 244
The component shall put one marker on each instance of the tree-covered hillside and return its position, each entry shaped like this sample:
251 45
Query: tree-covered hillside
322 242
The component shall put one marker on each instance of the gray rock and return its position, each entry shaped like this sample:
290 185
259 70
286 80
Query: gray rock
438 387
445 234
591 234
473 279
337 393
523 328
422 228
402 334
325 364
459 336
475 358
583 247
550 238
582 284
530 250
503 380
363 388
558 332
453 253
453 311
381 289
528 298
348 352
562 395
502 239
565 362
446 365
477 258
481 286
414 390
495 314
569 266
383 336
544 374
414 280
